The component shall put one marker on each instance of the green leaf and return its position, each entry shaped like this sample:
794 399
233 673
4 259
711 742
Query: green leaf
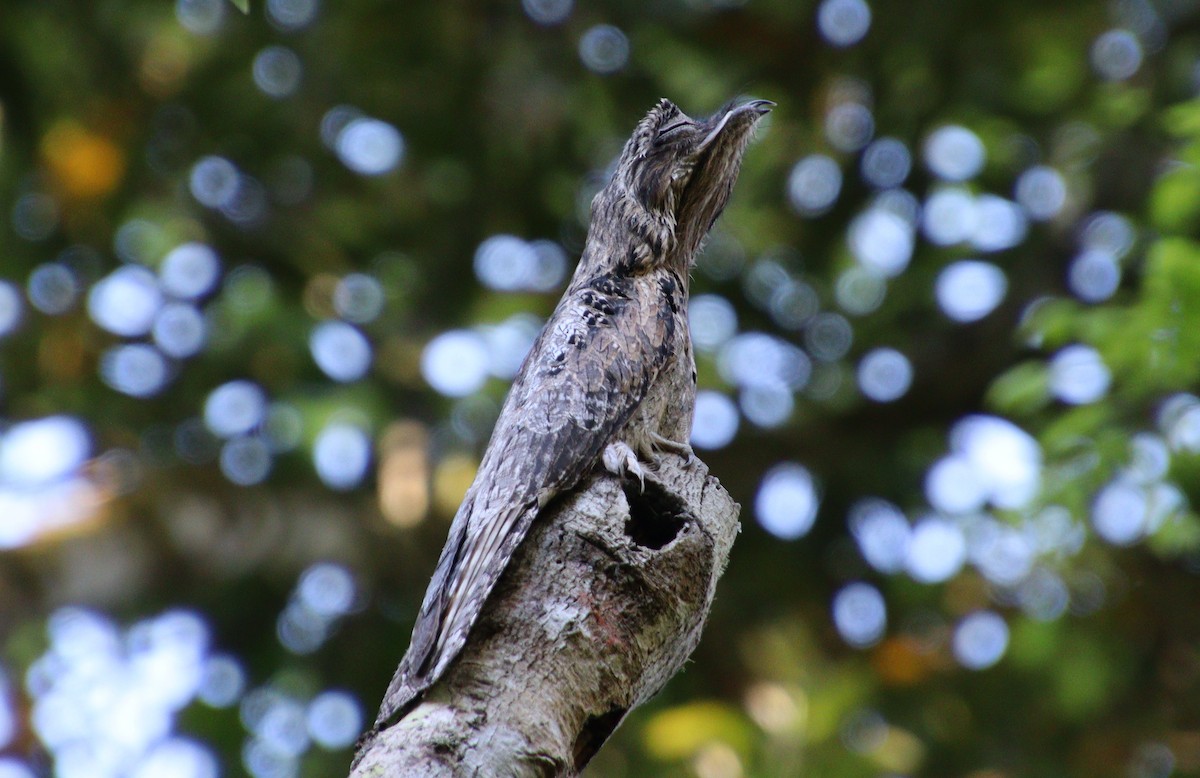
1183 120
1021 391
1175 201
1179 535
241 5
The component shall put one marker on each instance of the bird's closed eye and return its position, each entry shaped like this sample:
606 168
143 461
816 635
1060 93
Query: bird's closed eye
670 129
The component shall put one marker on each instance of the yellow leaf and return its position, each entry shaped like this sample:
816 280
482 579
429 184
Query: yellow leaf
83 164
678 732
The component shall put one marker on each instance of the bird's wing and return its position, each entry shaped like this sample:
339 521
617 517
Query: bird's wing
584 377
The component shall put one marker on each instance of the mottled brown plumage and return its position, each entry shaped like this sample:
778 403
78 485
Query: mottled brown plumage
610 380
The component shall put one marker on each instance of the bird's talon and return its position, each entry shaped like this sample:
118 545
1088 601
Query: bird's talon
660 443
620 460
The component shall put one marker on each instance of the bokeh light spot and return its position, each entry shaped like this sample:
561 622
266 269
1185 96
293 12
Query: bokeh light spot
1149 457
882 533
767 405
787 501
222 682
604 49
548 12
1116 55
35 216
843 22
936 551
10 307
1152 760
954 153
1108 232
1005 459
949 216
969 289
246 460
849 126
814 184
884 375
712 320
1042 192
334 720
177 757
886 163
341 351
756 359
369 146
234 408
952 487
358 298
509 342
52 289
291 14
882 241
180 330
11 768
828 336
327 589
136 369
860 291
277 71
1078 375
214 181
1043 596
999 224
341 455
1179 419
104 700
1119 513
1094 275
455 363
508 263
715 422
793 304
200 17
37 453
763 279
126 301
282 727
860 614
1003 554
980 640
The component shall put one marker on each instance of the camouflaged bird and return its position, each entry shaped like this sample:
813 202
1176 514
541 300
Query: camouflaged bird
610 380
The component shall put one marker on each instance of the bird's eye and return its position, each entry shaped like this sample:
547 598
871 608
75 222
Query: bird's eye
665 131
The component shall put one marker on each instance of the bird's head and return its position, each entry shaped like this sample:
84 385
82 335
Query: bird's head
681 170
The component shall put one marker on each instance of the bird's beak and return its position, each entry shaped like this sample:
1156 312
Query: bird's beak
757 107
760 107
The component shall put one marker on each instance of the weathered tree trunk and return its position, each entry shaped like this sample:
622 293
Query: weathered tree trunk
602 604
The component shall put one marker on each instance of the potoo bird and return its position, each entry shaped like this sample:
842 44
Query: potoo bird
610 380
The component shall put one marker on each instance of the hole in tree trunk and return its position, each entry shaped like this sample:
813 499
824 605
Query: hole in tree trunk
655 516
596 730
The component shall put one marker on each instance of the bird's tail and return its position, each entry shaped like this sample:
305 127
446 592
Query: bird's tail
476 553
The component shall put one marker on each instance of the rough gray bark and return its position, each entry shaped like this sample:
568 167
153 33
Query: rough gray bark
602 604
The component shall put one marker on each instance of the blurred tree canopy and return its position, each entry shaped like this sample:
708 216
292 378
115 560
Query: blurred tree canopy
264 279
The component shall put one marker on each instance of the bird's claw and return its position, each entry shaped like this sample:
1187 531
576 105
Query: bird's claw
660 443
621 460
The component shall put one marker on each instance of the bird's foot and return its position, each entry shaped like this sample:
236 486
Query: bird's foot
620 460
659 443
